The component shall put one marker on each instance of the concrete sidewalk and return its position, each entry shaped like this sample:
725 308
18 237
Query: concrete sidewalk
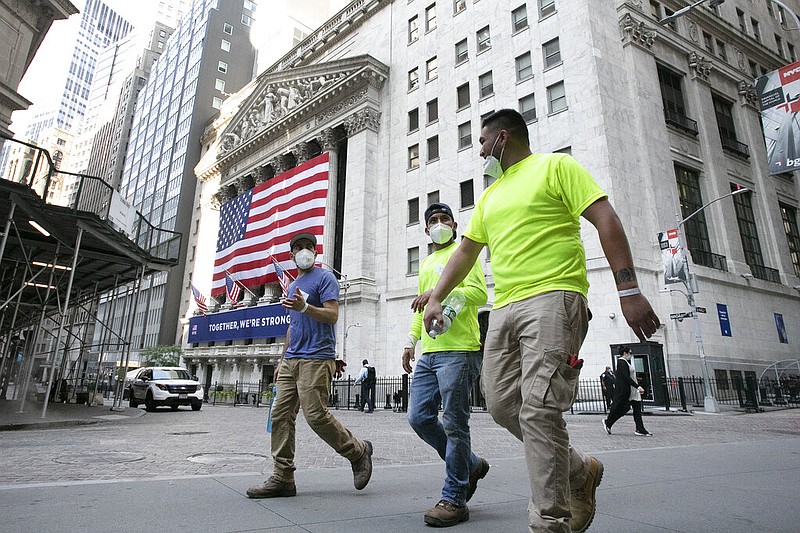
726 488
59 415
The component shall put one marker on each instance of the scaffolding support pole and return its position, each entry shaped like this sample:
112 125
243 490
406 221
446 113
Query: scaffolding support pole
131 320
64 312
9 221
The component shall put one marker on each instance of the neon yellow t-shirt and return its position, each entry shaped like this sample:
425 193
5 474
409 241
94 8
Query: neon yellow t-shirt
530 220
464 333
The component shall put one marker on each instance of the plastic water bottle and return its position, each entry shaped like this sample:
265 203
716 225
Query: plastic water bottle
451 306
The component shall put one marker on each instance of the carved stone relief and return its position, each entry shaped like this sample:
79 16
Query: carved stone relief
341 106
699 66
747 94
637 32
360 120
300 152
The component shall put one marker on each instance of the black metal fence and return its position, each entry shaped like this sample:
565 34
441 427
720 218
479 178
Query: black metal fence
681 393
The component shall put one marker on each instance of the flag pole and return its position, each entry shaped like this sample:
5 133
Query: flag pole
240 284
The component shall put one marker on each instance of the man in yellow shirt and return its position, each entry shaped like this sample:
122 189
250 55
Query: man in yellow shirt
530 220
445 373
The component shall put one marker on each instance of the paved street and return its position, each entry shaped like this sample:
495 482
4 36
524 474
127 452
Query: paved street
730 472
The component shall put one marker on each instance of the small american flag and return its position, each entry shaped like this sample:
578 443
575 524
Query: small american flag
283 277
199 299
232 288
265 218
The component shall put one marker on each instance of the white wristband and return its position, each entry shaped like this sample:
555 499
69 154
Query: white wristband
305 308
412 342
629 292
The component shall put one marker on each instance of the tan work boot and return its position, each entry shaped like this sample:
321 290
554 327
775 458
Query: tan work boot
362 467
273 488
582 499
445 514
476 475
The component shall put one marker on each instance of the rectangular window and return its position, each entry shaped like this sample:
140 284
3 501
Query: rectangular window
556 97
721 378
227 28
655 10
413 157
433 148
225 45
246 20
222 67
413 79
779 44
465 135
484 39
552 53
433 110
524 67
430 18
219 85
727 130
743 205
250 6
433 197
432 69
789 216
413 29
485 85
546 7
413 211
413 261
756 29
467 194
160 45
741 18
695 229
792 53
672 99
462 52
459 6
519 18
721 51
708 42
527 108
216 102
413 120
462 96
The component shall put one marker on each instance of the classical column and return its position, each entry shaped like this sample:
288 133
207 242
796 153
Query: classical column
300 152
328 140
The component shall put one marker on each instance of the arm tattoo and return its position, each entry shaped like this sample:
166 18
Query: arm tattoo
624 275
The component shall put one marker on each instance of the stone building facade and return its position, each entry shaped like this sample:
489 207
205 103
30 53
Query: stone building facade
401 89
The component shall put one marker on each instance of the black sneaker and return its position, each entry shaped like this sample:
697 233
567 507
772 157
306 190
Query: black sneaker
605 426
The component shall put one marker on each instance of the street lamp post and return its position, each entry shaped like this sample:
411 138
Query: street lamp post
715 3
710 402
344 341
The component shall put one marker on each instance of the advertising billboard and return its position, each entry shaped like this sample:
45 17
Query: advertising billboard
779 98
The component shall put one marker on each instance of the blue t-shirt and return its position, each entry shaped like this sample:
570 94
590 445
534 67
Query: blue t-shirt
308 338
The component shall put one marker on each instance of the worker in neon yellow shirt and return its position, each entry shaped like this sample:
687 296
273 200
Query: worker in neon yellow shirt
530 220
445 373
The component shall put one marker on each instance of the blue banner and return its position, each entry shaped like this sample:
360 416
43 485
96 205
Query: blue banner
724 320
263 321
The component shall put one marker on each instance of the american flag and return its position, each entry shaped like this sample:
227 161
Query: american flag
199 299
232 288
265 218
283 277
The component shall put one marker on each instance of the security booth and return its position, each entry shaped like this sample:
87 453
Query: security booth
648 360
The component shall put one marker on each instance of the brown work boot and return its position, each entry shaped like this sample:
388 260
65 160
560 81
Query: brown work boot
476 475
273 488
445 514
583 505
362 467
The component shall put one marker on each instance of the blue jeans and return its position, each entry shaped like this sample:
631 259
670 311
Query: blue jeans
446 378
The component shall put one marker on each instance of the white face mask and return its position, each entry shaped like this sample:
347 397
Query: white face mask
304 259
441 233
493 167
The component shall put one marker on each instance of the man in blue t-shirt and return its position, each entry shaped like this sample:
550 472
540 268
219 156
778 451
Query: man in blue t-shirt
304 374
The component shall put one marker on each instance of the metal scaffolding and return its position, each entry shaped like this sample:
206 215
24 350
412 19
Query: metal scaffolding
68 239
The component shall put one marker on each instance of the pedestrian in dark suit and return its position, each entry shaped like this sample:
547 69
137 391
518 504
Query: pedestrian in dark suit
607 380
627 394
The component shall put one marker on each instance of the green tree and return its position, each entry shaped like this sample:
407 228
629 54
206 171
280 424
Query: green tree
161 355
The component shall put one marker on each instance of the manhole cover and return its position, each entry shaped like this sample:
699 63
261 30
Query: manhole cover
99 457
189 433
227 458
